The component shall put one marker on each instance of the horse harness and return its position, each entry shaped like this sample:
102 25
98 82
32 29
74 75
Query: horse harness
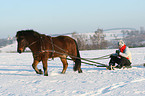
43 49
42 46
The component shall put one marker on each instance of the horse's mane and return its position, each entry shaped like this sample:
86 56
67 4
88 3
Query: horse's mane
29 32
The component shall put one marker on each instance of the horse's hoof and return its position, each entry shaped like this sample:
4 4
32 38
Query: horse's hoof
40 71
45 74
80 71
62 72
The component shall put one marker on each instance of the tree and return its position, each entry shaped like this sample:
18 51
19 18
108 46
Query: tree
98 39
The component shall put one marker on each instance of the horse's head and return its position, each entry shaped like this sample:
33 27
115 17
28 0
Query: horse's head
26 38
22 42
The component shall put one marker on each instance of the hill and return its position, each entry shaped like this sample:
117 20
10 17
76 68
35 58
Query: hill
12 48
9 48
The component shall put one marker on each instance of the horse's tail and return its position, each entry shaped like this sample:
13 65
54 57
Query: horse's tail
77 65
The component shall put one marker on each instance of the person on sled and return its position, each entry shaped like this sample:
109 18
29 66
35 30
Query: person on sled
122 57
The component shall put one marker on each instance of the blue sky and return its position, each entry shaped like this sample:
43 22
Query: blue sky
66 16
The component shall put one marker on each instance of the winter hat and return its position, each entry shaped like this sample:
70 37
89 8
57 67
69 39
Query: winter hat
121 43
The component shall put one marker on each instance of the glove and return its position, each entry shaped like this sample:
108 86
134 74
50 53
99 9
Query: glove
111 56
117 51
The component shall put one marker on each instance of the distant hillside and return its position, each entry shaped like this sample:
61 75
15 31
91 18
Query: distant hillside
4 42
12 48
9 48
102 39
109 34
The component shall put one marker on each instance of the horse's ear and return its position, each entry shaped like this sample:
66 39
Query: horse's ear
18 33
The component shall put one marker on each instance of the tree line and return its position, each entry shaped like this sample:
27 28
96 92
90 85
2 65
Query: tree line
132 38
91 42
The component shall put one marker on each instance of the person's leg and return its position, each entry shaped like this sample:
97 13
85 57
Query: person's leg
113 60
124 62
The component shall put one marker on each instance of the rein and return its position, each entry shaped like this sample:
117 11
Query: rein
65 53
32 43
52 47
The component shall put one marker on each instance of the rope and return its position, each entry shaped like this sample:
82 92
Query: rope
94 62
85 59
103 57
88 63
79 57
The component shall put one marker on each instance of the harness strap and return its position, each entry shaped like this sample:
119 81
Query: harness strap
32 43
43 49
41 43
52 47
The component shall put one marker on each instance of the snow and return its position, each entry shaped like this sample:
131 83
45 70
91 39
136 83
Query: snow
17 78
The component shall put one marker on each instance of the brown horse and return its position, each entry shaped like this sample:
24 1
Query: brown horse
44 47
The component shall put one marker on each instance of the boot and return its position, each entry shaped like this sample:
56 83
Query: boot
118 66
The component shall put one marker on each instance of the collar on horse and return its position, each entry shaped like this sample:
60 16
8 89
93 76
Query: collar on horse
42 46
32 43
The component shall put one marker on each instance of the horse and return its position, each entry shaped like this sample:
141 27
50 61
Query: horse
44 47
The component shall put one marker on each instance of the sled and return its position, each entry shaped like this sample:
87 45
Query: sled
115 67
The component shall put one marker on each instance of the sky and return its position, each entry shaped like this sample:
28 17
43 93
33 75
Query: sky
67 16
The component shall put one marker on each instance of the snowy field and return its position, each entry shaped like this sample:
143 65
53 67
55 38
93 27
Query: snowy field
17 78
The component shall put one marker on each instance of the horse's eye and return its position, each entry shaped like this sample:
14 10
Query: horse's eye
20 38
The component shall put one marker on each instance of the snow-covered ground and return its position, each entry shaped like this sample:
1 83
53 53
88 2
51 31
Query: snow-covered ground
17 78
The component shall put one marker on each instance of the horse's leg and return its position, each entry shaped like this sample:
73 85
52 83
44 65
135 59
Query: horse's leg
34 65
80 70
65 64
44 61
77 64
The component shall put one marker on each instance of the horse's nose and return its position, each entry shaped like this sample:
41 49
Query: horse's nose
19 51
